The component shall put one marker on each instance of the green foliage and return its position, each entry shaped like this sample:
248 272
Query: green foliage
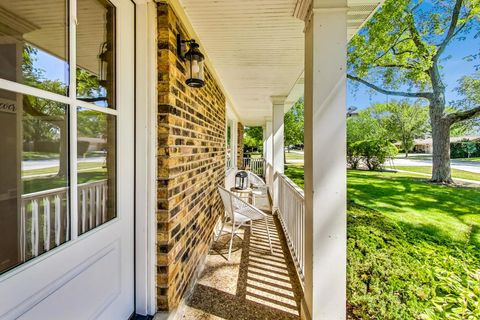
364 127
404 40
465 149
373 153
402 121
253 138
399 271
411 254
294 124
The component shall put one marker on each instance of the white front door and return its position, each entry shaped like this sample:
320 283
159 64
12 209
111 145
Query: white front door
66 159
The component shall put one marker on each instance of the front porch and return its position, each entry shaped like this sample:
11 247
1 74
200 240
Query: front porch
254 284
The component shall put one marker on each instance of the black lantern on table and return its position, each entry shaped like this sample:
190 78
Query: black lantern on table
241 180
194 60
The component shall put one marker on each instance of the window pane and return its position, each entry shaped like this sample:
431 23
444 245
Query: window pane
34 215
96 149
96 52
33 43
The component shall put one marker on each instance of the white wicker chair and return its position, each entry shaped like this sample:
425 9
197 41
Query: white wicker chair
239 213
259 187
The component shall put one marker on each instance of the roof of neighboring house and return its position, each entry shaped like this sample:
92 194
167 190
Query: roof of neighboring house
428 141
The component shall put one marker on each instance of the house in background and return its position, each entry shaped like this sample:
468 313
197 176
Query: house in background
133 237
426 145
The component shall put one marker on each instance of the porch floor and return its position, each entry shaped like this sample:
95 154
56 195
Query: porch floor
254 284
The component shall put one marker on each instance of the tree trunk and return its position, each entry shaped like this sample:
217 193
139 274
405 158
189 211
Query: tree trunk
441 172
63 150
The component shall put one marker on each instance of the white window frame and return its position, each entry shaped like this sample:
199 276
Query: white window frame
72 104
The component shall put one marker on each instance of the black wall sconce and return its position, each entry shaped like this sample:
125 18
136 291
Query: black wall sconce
194 60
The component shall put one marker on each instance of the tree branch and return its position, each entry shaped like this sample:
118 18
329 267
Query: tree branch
462 115
394 65
451 29
426 95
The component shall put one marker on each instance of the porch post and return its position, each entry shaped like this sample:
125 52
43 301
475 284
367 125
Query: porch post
325 161
267 151
278 112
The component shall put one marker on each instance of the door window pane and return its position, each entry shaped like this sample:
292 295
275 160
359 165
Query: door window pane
96 149
96 52
33 43
34 215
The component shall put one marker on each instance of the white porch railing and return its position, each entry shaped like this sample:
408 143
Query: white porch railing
291 213
256 165
45 222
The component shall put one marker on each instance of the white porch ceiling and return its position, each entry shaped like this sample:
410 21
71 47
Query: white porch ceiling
257 48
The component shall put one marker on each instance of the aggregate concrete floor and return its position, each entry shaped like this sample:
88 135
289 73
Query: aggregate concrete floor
254 284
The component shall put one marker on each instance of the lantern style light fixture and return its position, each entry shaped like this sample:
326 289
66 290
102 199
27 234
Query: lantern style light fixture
194 60
241 180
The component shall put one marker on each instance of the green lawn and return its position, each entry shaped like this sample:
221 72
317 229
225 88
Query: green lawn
293 156
413 247
456 173
82 166
295 173
31 155
469 159
37 184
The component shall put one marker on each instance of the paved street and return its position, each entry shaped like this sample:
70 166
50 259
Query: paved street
41 164
472 166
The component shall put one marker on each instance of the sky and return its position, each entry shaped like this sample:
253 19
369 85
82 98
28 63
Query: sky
453 69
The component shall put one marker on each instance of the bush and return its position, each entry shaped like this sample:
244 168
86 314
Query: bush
400 271
465 149
372 152
353 155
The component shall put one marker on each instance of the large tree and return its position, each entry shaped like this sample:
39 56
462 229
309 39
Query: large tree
294 125
402 121
399 52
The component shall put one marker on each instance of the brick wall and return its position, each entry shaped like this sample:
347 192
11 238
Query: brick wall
240 132
191 162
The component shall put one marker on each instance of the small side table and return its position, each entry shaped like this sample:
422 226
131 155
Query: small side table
244 194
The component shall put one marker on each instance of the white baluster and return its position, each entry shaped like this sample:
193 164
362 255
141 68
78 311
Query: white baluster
84 210
91 207
46 223
34 228
58 219
23 236
67 221
98 204
104 202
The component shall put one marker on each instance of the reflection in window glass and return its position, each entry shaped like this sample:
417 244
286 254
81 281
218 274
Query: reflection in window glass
229 155
96 52
33 44
96 148
34 215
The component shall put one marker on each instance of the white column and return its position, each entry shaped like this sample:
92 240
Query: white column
267 151
325 161
278 112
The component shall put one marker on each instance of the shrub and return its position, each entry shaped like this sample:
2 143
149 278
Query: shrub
374 152
399 271
353 155
465 149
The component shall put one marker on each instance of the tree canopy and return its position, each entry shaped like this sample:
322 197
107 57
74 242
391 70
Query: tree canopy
399 52
294 124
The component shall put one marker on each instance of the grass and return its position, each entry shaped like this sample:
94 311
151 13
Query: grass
31 155
413 247
456 173
477 159
82 166
37 184
293 156
295 173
